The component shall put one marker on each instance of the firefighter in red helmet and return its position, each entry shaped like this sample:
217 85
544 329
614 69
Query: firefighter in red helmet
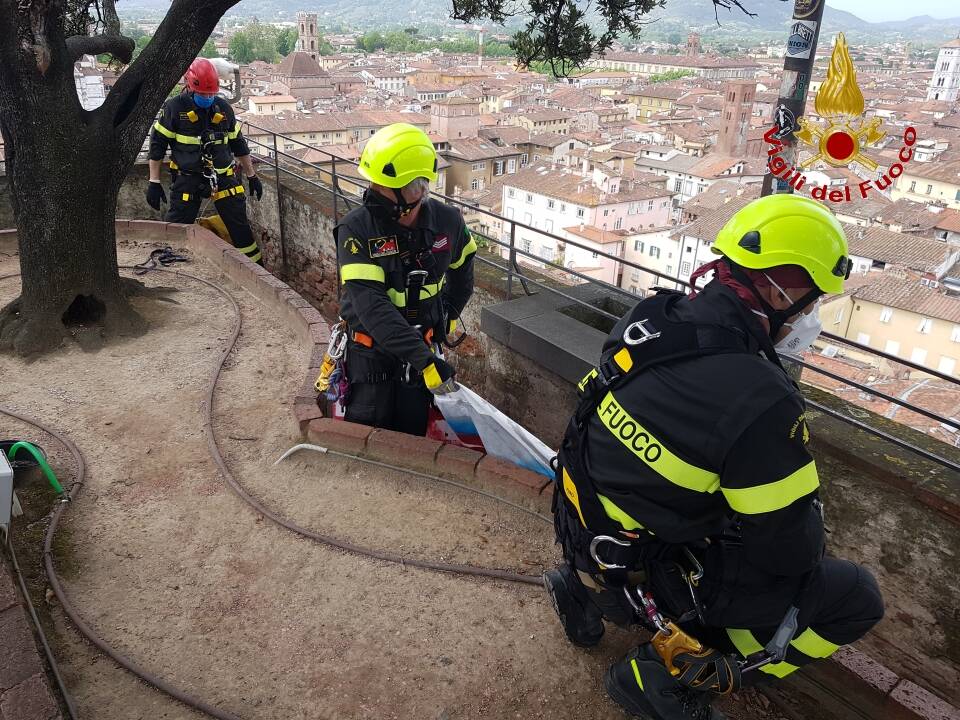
203 136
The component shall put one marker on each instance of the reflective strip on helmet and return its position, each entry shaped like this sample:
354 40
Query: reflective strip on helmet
616 513
235 133
399 297
812 645
747 645
651 451
469 249
163 131
775 495
362 271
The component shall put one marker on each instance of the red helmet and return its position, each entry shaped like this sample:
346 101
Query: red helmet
202 77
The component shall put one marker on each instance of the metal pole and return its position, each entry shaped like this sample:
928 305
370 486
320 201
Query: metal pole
334 186
283 244
513 260
797 74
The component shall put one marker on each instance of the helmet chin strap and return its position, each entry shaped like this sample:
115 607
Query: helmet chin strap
383 206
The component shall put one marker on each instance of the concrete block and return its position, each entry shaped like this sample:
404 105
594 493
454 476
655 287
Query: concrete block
458 462
409 451
19 659
147 231
854 676
909 701
504 473
339 435
305 413
320 333
312 315
30 700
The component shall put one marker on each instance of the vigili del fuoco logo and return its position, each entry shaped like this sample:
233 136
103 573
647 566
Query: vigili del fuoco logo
840 139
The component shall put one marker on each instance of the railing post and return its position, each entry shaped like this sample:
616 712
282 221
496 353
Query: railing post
513 260
283 244
333 188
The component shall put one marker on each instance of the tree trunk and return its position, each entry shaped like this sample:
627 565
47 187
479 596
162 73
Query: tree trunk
66 237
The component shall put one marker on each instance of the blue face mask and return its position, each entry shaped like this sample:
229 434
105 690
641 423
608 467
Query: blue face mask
202 101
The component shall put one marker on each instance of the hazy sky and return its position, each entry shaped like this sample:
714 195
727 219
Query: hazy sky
883 10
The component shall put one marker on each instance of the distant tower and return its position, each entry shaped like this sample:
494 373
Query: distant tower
693 44
945 83
737 109
308 33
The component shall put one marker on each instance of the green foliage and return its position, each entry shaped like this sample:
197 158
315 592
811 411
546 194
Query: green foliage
670 75
140 44
266 42
209 49
286 41
674 38
406 41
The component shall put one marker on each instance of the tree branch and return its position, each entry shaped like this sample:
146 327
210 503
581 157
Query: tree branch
118 46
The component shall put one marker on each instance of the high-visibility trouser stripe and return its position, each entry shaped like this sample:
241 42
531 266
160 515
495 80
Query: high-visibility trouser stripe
775 495
399 297
236 190
651 451
249 248
362 271
469 249
808 643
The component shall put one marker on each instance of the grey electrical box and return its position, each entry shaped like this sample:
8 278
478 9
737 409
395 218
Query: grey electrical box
6 493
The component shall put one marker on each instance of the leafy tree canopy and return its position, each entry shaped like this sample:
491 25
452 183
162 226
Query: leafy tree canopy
670 75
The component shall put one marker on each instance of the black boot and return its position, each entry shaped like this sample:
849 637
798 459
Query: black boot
642 685
581 620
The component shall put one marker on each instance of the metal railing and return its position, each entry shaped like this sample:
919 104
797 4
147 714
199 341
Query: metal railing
328 179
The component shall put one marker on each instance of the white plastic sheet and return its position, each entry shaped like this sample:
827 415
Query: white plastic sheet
469 415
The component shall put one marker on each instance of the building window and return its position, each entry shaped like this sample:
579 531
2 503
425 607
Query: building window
525 244
524 159
551 203
886 314
838 318
498 167
955 333
528 218
638 246
892 347
919 356
606 212
618 224
913 186
563 208
654 252
580 212
684 269
548 226
863 339
677 184
947 365
475 184
479 165
512 165
669 269
511 193
529 199
650 206
929 189
926 324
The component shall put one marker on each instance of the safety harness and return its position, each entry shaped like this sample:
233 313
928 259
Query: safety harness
591 540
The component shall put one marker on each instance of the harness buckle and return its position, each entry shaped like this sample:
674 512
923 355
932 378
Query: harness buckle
645 334
596 558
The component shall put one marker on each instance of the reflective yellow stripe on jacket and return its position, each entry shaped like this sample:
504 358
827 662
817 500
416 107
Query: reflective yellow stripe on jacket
469 249
185 139
362 271
775 495
642 443
399 297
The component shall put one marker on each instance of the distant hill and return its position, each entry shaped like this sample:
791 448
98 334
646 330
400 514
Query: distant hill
679 15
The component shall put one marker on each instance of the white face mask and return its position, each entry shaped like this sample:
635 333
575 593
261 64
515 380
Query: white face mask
803 332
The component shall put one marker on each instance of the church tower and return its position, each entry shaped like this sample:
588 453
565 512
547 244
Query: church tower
308 34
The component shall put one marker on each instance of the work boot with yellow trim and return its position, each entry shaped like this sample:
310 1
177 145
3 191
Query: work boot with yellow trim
581 619
642 685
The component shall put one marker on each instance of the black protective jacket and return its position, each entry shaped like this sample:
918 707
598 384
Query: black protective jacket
191 132
687 449
375 258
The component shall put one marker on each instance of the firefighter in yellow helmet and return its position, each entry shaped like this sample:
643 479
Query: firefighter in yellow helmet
685 489
406 270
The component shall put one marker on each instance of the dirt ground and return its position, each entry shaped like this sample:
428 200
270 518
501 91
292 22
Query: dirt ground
175 571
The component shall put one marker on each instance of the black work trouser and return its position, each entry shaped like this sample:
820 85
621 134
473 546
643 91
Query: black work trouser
378 395
743 606
187 196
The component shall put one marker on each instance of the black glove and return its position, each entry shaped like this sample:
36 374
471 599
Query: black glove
438 377
155 194
256 187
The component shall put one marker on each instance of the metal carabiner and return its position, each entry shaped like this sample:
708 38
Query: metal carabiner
338 341
596 558
645 334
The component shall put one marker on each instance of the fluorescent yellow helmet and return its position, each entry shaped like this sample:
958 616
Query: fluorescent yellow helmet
788 229
397 154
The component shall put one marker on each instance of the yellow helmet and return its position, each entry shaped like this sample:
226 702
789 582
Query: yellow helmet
787 229
397 154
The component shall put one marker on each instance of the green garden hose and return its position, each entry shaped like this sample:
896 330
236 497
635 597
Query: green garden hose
41 461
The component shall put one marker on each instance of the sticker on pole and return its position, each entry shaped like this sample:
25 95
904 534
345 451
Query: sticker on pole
805 8
794 85
800 41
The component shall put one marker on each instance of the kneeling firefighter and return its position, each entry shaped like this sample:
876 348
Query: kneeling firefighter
686 499
406 268
204 137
